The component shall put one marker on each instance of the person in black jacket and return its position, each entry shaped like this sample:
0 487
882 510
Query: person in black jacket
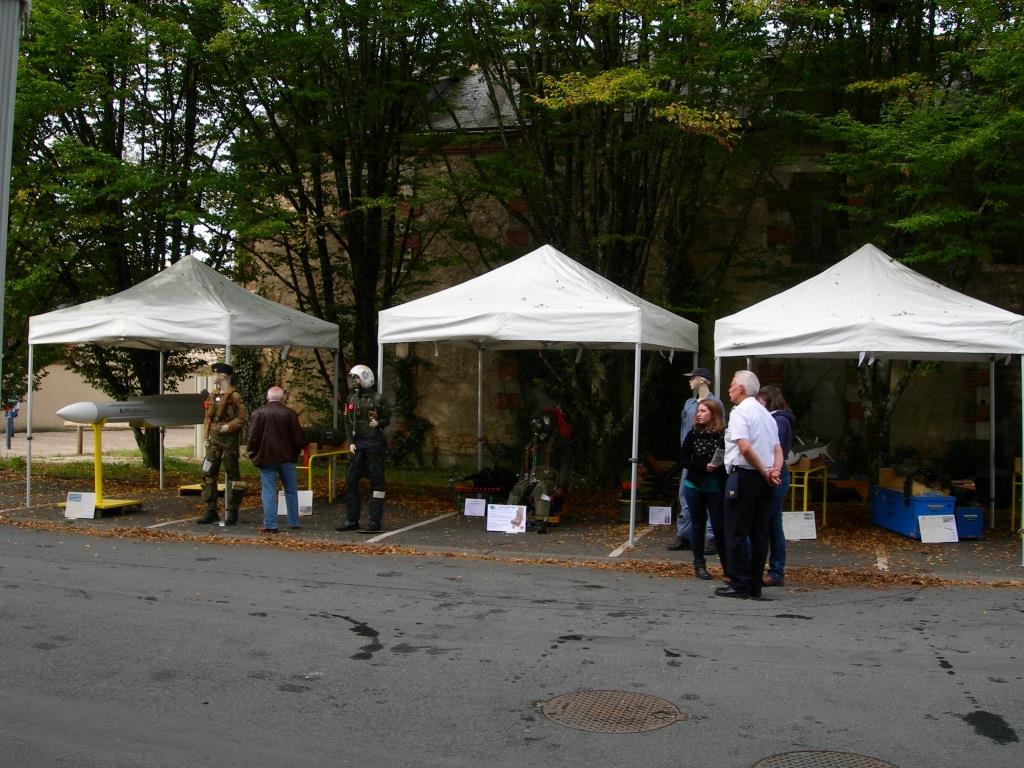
275 439
366 415
772 399
701 455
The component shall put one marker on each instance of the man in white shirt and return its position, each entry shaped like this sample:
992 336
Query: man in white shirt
753 460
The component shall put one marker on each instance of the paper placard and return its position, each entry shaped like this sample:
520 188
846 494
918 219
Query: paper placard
506 518
80 506
305 503
476 507
937 529
797 526
659 515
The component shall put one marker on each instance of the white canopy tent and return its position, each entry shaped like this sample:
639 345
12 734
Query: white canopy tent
872 307
543 300
189 305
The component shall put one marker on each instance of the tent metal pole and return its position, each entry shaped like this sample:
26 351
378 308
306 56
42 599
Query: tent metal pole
992 441
635 455
162 430
1022 454
718 373
334 410
28 429
380 369
479 407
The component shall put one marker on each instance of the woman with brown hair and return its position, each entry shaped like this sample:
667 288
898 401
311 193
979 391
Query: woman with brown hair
701 454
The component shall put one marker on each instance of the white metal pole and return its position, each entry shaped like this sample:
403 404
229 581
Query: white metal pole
380 368
28 429
479 406
162 430
992 442
635 454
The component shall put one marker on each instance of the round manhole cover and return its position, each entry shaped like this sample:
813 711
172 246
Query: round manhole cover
611 711
810 759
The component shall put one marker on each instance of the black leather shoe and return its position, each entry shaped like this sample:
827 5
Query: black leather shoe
294 527
542 527
710 548
678 544
701 572
730 592
369 529
347 527
207 519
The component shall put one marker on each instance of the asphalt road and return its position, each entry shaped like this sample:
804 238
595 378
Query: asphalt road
127 653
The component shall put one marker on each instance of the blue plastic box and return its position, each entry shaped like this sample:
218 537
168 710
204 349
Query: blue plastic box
891 509
970 522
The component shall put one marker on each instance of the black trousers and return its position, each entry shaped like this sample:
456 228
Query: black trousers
368 458
748 509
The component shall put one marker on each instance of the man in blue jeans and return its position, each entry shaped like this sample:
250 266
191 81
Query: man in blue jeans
275 439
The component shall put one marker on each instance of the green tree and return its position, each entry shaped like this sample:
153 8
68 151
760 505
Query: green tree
116 147
622 140
326 96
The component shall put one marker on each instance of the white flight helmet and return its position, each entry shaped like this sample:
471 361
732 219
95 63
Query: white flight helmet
363 374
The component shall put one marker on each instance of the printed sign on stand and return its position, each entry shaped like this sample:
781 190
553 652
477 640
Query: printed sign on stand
305 503
80 506
659 515
937 529
506 518
797 526
476 507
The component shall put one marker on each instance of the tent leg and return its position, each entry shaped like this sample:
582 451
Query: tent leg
28 429
163 431
635 455
718 375
479 407
992 442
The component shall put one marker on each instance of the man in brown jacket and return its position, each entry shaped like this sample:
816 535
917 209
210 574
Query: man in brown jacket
275 439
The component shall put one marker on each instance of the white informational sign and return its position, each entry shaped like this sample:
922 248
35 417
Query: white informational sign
937 529
80 506
798 525
476 507
506 518
659 515
305 503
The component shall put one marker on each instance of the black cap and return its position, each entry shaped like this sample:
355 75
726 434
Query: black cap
704 373
222 368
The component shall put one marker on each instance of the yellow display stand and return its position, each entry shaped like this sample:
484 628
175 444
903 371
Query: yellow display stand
97 461
308 467
800 476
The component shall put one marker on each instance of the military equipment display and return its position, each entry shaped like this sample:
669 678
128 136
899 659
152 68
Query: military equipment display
150 411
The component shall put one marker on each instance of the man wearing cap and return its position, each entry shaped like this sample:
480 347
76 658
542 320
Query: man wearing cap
700 385
226 415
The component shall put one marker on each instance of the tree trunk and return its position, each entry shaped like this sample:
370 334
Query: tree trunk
148 440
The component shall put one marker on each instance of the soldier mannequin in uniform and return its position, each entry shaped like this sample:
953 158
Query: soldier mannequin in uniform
545 470
226 415
366 415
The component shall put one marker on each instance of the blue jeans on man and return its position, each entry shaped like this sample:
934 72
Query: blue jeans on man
269 474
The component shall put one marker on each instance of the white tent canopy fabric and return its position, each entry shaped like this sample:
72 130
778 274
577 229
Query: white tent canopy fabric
870 307
543 300
187 305
870 303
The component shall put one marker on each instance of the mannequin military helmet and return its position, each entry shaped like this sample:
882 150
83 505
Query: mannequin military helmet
363 375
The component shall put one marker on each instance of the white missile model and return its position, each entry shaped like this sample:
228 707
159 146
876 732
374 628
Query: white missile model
149 411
